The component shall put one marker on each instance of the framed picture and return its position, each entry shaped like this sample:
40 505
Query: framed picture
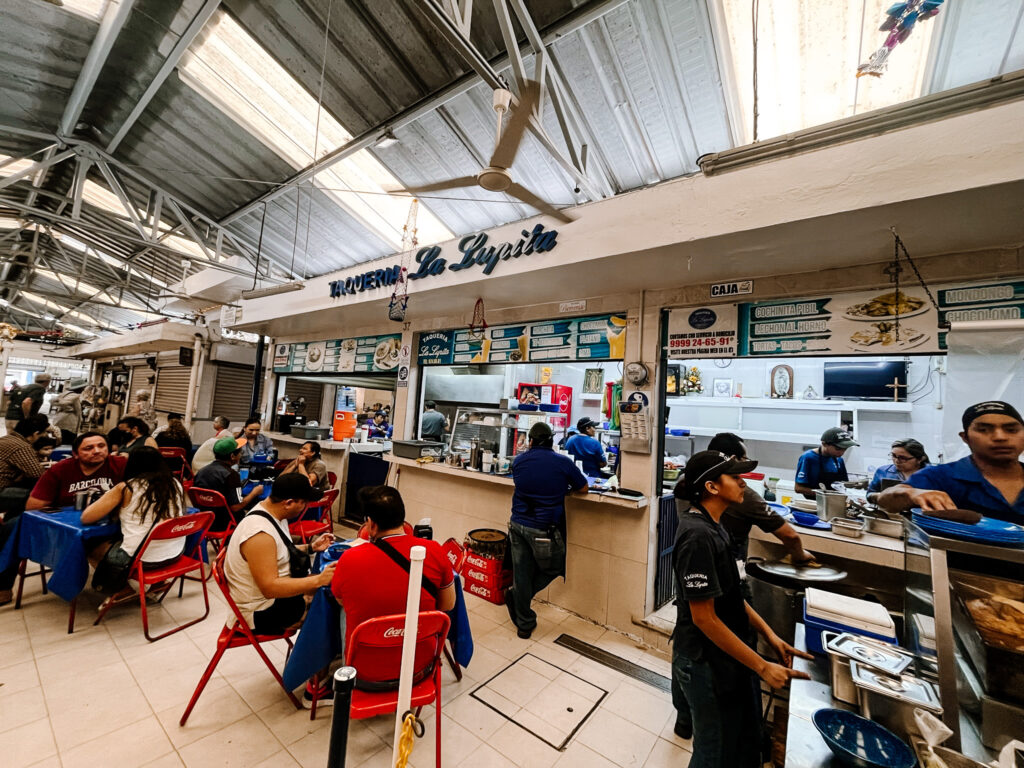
593 381
722 388
672 380
782 382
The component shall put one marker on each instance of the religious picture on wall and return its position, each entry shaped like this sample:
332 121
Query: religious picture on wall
782 382
593 381
672 380
722 388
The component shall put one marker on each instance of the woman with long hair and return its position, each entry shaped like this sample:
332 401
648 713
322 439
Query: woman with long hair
309 464
148 495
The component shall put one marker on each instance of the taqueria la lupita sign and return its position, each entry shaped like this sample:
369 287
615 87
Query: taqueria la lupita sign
475 250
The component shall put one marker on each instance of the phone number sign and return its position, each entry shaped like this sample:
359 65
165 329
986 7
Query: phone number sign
703 332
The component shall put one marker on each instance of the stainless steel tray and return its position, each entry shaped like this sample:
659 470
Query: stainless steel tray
881 657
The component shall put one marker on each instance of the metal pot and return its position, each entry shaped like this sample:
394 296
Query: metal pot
777 591
830 504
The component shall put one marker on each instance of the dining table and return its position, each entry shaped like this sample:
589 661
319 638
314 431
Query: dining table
320 640
59 541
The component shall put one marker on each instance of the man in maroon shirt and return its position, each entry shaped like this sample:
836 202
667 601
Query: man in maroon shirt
369 583
90 466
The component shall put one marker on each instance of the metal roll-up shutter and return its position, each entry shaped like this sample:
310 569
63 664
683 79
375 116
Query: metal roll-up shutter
172 388
311 390
232 392
139 383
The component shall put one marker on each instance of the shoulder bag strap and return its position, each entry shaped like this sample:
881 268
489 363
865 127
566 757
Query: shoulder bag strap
386 547
288 543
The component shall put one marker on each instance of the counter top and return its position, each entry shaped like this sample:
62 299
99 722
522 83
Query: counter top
869 548
331 445
629 502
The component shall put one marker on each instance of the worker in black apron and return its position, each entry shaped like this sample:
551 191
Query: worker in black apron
536 530
824 465
714 670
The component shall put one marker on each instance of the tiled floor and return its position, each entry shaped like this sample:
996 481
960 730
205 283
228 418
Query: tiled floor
105 696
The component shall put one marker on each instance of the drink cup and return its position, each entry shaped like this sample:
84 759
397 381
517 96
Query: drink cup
80 500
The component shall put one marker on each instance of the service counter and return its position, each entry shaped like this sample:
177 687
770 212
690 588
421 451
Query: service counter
869 549
367 469
606 579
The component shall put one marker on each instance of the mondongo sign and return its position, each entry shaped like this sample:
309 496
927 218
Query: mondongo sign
475 253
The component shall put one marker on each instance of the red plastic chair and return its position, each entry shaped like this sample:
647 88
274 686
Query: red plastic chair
186 563
281 464
214 501
237 635
332 479
177 460
363 532
375 650
312 524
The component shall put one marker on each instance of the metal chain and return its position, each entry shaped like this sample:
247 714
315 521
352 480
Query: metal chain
927 290
405 741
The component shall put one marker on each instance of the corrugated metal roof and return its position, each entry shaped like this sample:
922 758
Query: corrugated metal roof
656 84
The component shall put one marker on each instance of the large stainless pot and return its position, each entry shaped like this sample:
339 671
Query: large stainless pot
777 591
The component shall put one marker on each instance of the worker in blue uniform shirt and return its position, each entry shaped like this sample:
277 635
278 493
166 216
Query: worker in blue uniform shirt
989 481
536 530
586 448
379 427
908 456
824 464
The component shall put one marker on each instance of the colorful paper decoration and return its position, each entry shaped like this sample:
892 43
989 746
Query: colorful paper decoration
899 23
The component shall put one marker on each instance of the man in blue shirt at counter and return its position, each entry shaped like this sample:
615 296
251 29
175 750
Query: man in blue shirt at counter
989 481
824 464
536 531
585 447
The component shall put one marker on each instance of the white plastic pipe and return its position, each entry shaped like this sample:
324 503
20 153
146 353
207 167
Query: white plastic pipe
412 620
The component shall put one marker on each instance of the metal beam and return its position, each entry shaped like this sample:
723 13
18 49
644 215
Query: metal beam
573 21
186 39
36 167
110 27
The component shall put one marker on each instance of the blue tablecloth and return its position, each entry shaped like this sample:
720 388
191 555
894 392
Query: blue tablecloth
320 640
58 541
267 487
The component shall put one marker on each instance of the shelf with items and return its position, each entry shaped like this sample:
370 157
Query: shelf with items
501 430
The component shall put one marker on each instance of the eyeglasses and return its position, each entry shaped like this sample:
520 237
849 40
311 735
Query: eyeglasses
898 457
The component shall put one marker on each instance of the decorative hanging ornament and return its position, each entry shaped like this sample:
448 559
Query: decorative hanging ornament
400 296
7 332
899 23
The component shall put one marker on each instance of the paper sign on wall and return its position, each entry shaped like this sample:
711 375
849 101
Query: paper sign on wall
703 332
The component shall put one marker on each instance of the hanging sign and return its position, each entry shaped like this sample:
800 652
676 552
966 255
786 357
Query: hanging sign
363 354
475 250
861 322
602 337
723 290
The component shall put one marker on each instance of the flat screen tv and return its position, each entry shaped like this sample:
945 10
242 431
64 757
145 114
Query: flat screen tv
864 380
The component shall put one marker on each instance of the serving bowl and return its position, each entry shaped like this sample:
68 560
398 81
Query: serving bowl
804 518
860 742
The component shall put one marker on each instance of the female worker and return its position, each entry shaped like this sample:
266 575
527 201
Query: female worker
908 456
713 667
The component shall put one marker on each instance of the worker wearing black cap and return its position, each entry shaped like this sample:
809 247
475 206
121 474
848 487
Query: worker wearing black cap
584 447
989 481
714 671
536 530
824 465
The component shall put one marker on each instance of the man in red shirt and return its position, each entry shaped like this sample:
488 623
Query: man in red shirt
90 466
369 583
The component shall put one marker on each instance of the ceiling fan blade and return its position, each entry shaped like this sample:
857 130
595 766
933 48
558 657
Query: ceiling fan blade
462 181
505 152
522 193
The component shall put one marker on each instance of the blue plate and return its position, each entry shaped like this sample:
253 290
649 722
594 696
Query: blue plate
987 531
857 741
776 507
821 525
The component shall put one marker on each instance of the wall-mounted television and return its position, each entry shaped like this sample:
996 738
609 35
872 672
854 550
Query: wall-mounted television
865 380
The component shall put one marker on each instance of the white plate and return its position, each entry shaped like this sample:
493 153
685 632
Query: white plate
386 354
897 347
868 319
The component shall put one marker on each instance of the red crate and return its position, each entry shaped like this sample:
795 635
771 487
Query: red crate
498 580
485 564
496 596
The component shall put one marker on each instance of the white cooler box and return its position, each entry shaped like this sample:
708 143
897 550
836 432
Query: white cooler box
839 613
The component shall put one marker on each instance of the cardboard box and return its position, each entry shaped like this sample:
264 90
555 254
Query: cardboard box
496 596
498 580
485 564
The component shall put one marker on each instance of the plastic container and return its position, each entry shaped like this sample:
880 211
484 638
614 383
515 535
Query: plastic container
785 491
344 425
828 611
804 518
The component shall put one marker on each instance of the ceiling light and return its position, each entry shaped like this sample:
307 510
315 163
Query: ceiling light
386 139
273 290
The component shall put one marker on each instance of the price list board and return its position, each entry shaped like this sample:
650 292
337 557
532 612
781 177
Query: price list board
362 354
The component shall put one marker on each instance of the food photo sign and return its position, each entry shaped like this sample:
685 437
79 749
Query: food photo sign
874 322
363 354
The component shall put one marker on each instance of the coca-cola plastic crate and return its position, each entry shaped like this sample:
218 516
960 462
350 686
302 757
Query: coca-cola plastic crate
498 580
496 596
485 564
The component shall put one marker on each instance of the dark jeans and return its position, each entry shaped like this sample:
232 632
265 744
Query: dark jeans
721 701
538 558
281 614
8 577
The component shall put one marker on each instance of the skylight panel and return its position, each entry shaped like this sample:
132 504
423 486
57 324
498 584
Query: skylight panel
90 9
234 72
101 197
87 289
42 301
6 222
16 167
807 63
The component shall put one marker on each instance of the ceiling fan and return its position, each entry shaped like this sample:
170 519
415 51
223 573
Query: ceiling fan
496 177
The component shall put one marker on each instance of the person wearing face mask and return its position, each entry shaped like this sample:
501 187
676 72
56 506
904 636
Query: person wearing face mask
714 670
824 465
908 457
989 481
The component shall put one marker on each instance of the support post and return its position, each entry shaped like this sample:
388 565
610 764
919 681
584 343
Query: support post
193 380
344 681
412 620
257 375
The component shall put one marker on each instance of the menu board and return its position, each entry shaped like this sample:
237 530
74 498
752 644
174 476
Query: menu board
363 354
862 322
602 337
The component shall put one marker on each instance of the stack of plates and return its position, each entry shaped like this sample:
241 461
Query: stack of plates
987 531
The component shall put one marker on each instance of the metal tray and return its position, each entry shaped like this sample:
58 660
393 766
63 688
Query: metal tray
415 449
891 700
881 657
